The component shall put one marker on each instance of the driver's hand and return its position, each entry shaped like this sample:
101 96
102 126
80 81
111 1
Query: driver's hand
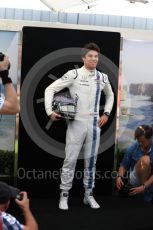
55 116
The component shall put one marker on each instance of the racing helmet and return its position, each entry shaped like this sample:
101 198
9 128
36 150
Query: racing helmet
65 105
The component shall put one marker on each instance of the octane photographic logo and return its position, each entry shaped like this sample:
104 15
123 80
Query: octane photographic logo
34 76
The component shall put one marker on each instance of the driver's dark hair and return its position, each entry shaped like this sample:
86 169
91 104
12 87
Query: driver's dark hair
88 47
143 130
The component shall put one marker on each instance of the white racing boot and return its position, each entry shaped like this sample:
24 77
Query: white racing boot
90 200
63 203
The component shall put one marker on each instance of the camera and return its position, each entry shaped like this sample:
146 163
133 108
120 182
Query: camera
1 56
19 196
16 194
124 191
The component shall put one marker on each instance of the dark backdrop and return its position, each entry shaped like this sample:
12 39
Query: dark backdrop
33 161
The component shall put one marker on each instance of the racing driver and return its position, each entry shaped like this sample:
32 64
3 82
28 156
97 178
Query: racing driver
84 132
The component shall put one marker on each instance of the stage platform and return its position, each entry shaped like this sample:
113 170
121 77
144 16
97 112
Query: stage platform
116 213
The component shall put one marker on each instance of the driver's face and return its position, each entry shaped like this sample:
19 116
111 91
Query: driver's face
91 59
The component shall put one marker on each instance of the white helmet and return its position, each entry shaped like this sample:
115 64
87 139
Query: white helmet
65 105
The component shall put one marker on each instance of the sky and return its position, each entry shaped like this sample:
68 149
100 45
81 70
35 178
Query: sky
23 4
108 7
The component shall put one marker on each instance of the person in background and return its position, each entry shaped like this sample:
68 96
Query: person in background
9 104
7 221
138 161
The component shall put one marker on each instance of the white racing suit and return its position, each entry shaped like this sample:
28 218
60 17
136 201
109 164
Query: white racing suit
83 133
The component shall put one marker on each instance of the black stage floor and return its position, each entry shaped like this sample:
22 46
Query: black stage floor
116 213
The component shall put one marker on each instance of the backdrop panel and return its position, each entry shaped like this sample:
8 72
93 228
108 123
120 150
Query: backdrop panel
47 53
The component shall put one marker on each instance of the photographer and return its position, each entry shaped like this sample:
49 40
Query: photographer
138 160
10 104
7 221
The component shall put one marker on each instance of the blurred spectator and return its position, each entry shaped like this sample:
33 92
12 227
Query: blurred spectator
7 221
138 160
9 104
